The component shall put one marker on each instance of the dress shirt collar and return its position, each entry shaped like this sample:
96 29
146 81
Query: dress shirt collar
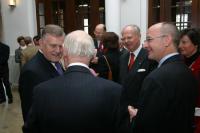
78 64
166 57
136 52
23 47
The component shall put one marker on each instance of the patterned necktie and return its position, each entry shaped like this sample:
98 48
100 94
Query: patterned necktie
131 61
59 68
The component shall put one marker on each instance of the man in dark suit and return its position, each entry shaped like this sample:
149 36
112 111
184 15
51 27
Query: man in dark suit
100 29
4 74
167 100
131 77
42 66
77 101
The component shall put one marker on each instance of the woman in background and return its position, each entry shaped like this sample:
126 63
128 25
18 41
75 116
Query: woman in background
189 48
112 54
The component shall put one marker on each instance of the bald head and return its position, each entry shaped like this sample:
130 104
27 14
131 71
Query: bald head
161 40
99 30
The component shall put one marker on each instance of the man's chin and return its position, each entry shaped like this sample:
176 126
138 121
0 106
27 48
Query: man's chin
150 57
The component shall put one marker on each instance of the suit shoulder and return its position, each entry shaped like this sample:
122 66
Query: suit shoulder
104 83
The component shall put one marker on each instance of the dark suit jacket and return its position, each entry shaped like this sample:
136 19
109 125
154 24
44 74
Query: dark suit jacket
167 100
37 70
4 56
133 79
75 102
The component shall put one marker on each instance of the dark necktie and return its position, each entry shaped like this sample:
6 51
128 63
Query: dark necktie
131 61
59 68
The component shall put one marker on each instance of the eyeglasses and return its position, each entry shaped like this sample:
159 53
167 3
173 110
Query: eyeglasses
149 39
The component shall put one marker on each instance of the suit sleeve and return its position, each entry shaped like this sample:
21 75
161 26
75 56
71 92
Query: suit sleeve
152 106
31 124
17 56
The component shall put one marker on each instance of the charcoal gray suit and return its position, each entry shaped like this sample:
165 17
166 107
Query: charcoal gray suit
76 102
37 70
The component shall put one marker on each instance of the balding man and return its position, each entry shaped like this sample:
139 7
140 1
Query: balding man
100 29
167 98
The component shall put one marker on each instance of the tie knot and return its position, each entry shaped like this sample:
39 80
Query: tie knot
132 55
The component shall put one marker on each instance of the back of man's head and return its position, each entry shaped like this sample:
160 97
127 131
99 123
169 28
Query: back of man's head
79 44
168 28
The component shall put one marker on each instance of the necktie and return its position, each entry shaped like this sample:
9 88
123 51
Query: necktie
131 61
100 47
59 68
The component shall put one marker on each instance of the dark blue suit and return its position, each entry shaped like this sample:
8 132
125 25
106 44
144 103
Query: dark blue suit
76 102
167 99
37 70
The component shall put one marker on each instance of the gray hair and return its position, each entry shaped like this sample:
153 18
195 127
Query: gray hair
79 43
52 29
168 28
135 29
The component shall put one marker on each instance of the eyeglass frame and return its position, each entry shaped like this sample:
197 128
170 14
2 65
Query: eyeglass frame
148 39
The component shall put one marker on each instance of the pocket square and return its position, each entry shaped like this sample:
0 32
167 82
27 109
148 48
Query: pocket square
141 70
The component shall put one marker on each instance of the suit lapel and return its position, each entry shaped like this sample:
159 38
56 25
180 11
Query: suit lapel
47 64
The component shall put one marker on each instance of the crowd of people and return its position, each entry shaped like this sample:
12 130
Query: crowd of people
108 83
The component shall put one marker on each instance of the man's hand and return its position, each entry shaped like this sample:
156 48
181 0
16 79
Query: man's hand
132 112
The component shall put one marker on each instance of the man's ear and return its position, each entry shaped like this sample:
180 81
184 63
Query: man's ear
65 59
167 40
40 43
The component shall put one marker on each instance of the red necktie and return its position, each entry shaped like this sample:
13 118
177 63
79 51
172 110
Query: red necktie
131 61
100 47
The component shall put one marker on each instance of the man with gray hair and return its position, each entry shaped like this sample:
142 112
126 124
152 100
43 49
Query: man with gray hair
77 101
43 66
134 64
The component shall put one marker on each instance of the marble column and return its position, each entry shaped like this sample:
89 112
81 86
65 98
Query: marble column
113 13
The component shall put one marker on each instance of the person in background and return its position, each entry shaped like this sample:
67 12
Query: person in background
189 48
36 40
77 101
168 94
43 66
29 52
134 64
100 29
18 51
111 54
4 74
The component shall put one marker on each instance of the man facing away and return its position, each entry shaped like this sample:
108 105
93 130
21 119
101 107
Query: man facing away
42 66
76 101
167 98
